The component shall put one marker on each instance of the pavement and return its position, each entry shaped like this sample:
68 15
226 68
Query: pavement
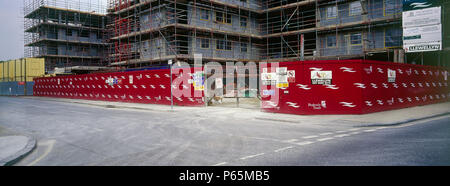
14 147
83 132
251 110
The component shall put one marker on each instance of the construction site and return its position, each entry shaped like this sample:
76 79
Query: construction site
87 36
281 83
148 33
70 35
132 34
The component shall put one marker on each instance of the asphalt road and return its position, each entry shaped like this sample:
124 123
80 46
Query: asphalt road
76 134
423 143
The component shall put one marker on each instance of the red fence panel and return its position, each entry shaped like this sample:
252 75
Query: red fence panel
414 85
151 86
311 87
353 87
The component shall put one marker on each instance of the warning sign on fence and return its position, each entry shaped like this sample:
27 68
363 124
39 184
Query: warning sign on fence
291 76
268 78
282 77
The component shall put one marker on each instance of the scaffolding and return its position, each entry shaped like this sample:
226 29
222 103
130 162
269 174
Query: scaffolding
150 32
66 33
332 29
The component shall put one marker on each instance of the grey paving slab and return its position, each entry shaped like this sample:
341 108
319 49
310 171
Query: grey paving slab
13 148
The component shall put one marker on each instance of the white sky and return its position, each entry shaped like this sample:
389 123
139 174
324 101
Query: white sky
11 26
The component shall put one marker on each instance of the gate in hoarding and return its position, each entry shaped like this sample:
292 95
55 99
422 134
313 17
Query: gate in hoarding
232 86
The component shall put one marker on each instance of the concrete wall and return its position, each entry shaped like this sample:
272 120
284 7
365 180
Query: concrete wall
61 34
76 36
343 45
71 50
384 8
252 4
158 47
235 26
380 38
156 18
78 50
253 52
154 48
376 9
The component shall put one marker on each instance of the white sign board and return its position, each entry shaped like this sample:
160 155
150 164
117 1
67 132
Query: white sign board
282 77
422 17
422 30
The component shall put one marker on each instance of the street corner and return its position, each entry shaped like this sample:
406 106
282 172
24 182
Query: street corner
14 148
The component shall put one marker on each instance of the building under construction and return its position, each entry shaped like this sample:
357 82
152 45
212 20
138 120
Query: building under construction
69 35
150 32
87 35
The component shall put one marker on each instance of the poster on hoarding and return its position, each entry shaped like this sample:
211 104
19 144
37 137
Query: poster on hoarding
321 77
391 76
199 81
291 76
268 78
269 92
130 77
282 77
113 81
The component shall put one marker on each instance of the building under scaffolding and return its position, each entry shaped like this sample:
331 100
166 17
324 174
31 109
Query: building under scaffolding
80 34
150 32
69 35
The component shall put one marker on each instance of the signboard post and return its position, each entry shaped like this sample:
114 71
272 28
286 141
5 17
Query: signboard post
302 49
170 62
